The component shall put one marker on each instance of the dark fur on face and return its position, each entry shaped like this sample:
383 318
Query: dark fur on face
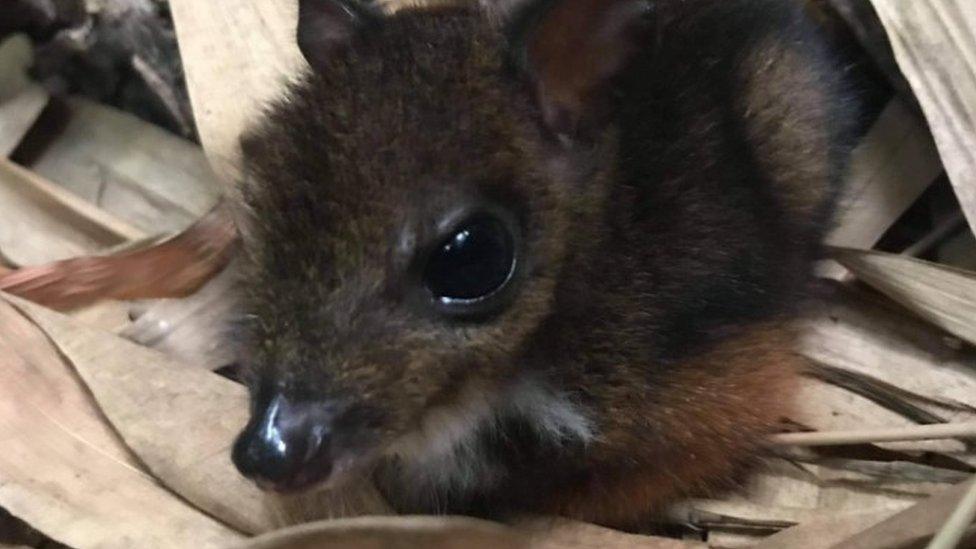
666 175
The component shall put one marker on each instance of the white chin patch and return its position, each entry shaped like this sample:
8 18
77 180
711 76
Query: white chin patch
447 453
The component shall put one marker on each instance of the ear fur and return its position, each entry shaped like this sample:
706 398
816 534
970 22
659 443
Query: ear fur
328 26
572 49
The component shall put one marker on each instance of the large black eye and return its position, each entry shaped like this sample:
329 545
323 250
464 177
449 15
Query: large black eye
473 263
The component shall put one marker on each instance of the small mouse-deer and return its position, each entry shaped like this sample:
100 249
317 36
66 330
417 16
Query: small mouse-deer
544 264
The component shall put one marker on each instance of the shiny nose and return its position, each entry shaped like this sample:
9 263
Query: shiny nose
286 446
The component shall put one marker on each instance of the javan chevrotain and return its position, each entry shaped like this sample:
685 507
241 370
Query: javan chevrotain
543 262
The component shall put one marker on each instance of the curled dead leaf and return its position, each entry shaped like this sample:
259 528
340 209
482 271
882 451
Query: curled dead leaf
173 268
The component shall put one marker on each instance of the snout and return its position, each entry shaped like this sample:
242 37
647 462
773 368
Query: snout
287 445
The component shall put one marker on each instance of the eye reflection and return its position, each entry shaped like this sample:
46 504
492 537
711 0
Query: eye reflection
473 263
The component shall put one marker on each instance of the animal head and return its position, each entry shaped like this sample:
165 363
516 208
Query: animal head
408 207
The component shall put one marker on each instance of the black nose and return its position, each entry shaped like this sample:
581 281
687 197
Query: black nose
286 445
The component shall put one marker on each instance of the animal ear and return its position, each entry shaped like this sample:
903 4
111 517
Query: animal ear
572 49
328 26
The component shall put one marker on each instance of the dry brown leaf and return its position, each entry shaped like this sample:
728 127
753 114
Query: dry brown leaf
130 168
913 525
173 268
407 532
21 101
43 222
894 163
935 45
181 422
65 471
942 295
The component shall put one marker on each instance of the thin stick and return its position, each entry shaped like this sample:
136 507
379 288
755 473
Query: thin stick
943 230
895 434
955 528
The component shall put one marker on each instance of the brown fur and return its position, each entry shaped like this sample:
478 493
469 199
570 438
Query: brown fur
664 247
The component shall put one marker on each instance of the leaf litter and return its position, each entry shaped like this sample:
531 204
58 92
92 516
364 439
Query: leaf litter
103 426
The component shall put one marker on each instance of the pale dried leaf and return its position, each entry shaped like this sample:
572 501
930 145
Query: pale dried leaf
21 101
784 494
891 167
862 334
237 57
739 512
825 407
43 222
558 533
65 471
892 397
902 472
824 532
828 408
110 315
958 524
851 491
406 532
942 295
935 45
734 539
808 488
181 422
913 525
130 168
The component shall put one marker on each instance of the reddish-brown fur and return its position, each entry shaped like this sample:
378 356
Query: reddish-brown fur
709 446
